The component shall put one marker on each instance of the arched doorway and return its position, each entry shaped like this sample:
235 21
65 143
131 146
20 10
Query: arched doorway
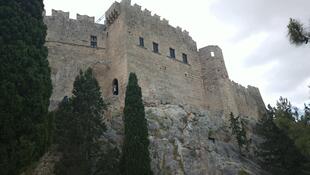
115 90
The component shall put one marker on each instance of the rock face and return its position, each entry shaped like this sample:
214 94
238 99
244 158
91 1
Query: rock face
183 141
189 141
46 164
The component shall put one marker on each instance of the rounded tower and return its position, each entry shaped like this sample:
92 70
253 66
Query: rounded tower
217 86
212 60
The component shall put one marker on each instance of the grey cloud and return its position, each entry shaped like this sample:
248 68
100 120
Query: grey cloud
271 17
256 15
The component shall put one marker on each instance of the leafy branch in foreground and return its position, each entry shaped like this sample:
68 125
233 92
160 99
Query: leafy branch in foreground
296 32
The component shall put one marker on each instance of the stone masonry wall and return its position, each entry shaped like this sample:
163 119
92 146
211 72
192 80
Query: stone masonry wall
68 43
116 51
202 82
222 94
248 100
217 87
162 78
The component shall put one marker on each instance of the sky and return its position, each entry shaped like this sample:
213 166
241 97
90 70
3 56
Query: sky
251 33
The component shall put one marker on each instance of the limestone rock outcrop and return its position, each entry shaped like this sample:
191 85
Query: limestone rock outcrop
188 141
183 141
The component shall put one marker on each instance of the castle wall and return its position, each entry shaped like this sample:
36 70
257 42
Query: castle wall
163 79
217 86
222 94
248 100
68 43
116 51
202 82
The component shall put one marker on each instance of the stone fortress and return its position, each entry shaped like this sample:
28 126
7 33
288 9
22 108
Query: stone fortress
170 68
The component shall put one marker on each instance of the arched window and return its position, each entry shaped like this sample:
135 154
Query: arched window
115 87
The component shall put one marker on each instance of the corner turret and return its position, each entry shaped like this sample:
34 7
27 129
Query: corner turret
212 61
216 81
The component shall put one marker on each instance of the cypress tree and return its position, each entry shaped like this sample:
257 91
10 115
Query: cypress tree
25 84
135 158
79 125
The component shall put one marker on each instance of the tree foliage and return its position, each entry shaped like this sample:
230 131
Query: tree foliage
79 126
280 153
135 158
108 162
297 33
296 126
25 84
238 129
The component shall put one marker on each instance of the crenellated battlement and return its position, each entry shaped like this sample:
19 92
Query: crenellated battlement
137 13
238 86
63 29
59 14
164 23
137 7
146 12
242 88
112 13
85 18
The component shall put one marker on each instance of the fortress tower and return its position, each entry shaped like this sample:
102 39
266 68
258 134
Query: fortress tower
170 68
217 86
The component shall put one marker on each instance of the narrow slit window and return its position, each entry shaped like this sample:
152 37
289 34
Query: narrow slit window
115 90
184 58
93 41
141 41
172 53
155 47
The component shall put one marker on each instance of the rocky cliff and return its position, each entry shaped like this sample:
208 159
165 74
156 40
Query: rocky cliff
190 141
187 141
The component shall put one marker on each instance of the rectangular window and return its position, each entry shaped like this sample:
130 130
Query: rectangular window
212 54
184 57
141 41
172 53
93 41
155 47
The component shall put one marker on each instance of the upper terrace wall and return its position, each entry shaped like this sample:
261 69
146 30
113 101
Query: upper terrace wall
162 78
73 31
148 25
69 51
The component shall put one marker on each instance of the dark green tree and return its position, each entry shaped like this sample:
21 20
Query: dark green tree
25 84
297 33
79 125
108 163
278 153
296 126
135 158
305 119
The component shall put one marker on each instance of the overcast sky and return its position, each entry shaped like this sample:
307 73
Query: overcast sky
251 33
